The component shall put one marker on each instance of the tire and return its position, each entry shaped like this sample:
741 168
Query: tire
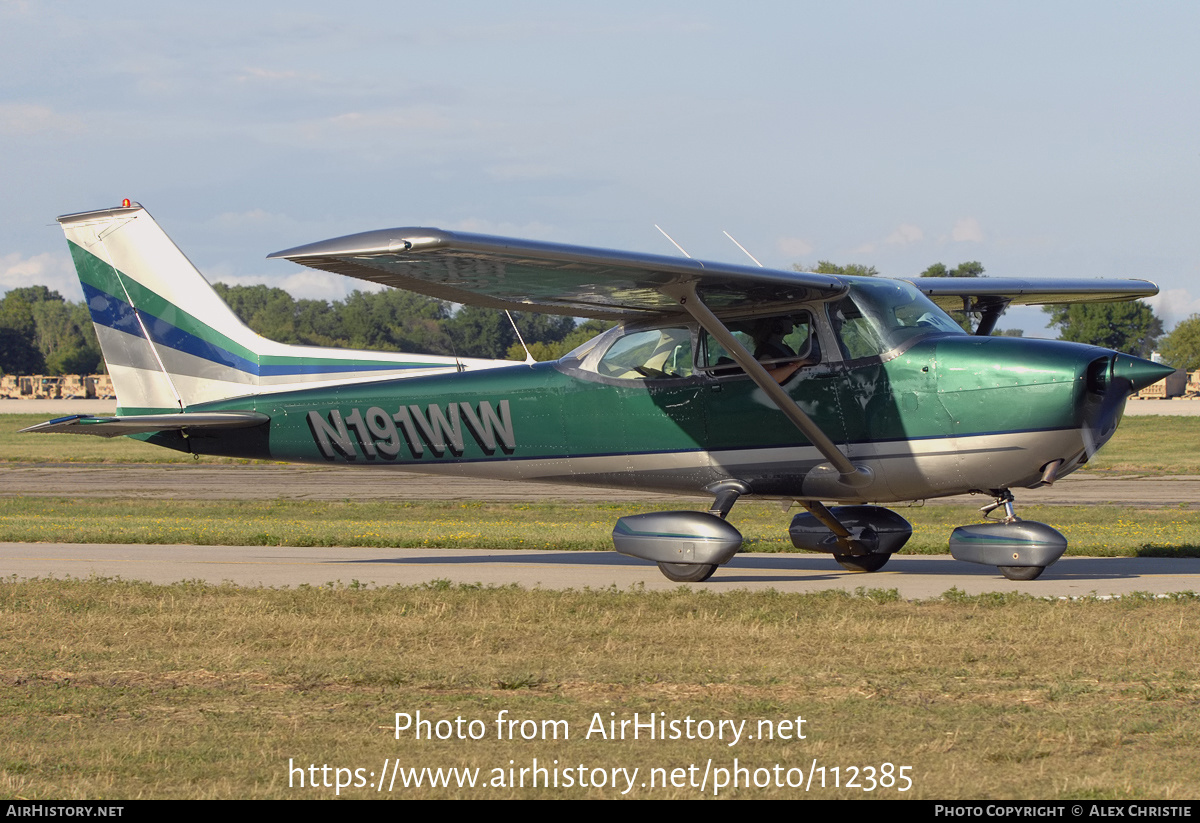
1022 572
859 563
687 572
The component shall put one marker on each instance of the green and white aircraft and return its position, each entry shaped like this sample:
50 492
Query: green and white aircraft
717 378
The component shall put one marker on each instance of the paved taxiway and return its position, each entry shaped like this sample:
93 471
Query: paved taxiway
915 577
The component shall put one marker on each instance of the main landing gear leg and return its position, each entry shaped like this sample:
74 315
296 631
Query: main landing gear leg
857 550
1020 549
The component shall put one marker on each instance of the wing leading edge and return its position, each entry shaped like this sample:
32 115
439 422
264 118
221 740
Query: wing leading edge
978 293
503 273
506 273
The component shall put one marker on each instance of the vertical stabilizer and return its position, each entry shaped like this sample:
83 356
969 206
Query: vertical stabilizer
135 280
170 342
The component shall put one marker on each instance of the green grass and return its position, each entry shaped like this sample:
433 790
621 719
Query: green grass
113 689
1151 445
121 690
17 448
1090 530
74 448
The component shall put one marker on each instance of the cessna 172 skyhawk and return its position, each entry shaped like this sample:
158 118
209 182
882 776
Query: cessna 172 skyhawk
718 378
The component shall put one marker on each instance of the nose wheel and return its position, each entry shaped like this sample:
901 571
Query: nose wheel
1019 549
1022 572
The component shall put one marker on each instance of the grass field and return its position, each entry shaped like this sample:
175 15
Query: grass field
1094 531
73 448
117 689
121 690
1151 446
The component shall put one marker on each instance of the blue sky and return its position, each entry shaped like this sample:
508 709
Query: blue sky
1053 139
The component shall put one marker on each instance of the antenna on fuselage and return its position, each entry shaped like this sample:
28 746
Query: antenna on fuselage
673 243
529 359
743 248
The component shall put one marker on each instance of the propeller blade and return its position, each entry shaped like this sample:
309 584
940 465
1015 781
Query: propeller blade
1110 381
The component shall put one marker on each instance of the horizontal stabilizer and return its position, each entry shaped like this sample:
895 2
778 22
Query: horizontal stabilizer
147 423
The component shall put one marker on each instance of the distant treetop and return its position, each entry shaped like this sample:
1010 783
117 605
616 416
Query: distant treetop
972 268
850 269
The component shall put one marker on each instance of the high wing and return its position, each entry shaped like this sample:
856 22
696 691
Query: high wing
505 273
977 293
990 296
520 275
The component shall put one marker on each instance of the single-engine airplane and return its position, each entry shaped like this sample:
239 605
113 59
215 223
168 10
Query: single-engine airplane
717 378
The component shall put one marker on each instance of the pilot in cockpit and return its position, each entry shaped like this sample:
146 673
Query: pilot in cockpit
773 349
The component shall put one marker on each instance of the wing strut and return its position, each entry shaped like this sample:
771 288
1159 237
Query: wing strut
685 293
991 310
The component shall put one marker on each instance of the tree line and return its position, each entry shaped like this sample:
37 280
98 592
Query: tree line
394 320
42 333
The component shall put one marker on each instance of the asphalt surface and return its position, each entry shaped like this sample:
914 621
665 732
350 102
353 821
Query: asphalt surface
915 577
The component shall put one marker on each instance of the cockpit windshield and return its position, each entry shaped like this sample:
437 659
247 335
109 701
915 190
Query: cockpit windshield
879 315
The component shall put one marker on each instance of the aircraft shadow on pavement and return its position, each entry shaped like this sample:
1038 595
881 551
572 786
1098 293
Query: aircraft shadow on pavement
523 558
1082 568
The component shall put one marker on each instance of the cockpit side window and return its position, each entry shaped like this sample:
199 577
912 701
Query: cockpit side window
649 355
778 341
855 333
878 316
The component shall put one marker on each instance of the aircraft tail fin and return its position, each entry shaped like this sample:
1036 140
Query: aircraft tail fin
137 284
170 342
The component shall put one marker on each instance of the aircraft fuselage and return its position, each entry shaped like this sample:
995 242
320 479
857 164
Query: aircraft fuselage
946 415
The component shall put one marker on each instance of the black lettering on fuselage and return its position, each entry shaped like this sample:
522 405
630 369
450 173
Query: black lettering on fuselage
380 434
